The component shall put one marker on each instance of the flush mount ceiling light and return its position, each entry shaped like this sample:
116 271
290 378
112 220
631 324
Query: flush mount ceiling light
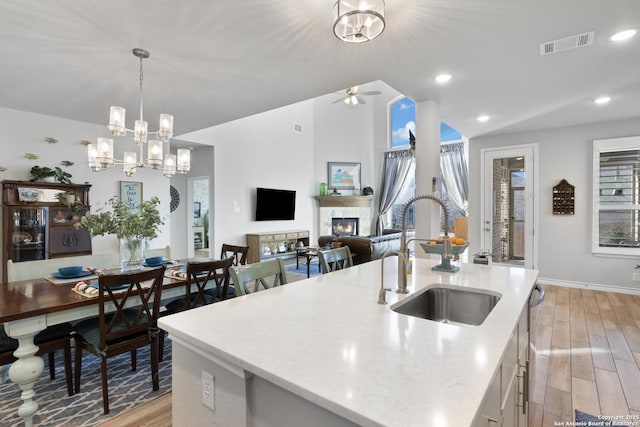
602 100
100 155
483 118
443 78
357 21
623 35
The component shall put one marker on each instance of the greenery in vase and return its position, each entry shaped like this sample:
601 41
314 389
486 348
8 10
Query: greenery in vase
121 221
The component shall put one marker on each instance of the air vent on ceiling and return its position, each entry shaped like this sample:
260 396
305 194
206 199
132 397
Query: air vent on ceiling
567 43
297 127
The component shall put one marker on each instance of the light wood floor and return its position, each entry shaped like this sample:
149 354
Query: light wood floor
156 413
587 355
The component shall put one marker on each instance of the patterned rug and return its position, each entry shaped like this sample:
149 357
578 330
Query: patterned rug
127 390
294 274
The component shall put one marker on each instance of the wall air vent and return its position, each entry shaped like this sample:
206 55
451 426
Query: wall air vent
567 43
297 127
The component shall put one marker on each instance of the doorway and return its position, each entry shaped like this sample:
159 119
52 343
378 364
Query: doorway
508 208
199 208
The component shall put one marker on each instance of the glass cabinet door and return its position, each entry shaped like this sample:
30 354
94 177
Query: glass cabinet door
28 233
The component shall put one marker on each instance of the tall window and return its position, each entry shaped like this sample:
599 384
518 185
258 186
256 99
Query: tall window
403 120
616 196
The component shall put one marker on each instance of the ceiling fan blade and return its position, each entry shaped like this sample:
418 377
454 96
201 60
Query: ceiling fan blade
338 100
370 92
360 99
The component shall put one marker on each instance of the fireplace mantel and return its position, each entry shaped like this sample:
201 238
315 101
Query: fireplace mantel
344 201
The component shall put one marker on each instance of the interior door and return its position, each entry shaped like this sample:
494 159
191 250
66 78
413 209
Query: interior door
508 204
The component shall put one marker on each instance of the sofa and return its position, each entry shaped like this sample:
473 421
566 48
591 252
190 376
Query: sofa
365 249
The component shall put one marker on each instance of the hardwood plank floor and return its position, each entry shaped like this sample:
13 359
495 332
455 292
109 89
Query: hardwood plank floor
156 413
587 355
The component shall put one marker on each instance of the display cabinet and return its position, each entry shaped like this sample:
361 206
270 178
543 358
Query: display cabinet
38 221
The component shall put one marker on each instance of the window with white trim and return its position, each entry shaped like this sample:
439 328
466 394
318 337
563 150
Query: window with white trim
616 196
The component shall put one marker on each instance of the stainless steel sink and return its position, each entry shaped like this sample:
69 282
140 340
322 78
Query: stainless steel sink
462 306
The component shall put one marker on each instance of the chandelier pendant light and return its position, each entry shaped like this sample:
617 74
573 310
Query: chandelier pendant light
101 156
357 21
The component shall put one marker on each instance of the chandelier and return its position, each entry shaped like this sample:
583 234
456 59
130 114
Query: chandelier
100 155
357 21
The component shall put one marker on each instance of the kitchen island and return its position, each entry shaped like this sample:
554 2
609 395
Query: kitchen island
322 352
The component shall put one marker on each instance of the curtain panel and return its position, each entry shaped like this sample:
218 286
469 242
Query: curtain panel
455 174
398 166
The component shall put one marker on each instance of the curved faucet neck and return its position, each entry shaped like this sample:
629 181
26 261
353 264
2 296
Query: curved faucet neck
403 237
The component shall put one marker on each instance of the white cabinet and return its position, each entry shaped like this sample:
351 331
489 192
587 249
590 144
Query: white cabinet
505 402
490 413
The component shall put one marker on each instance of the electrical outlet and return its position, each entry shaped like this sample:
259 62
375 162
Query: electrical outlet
636 277
208 390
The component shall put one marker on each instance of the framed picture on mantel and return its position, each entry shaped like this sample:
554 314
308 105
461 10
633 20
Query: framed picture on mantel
343 176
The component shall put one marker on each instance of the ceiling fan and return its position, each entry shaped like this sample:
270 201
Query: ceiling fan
353 97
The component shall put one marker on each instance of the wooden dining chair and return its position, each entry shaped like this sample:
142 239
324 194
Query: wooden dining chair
52 339
200 276
335 259
265 274
239 254
125 329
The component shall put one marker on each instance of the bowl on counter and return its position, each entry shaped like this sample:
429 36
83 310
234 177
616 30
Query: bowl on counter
438 248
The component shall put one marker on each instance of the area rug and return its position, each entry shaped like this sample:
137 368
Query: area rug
294 274
585 419
127 390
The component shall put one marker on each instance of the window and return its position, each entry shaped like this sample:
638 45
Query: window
616 196
403 120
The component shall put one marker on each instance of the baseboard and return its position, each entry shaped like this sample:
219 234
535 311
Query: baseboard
591 286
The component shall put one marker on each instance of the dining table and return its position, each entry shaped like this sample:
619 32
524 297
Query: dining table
29 306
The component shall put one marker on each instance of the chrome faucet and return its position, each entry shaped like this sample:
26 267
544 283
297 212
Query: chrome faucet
401 260
402 265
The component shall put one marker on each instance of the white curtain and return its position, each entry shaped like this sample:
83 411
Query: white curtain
455 174
397 168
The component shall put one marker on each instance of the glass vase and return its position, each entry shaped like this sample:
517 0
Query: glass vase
132 253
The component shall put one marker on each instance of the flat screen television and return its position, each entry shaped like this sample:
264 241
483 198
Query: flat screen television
275 205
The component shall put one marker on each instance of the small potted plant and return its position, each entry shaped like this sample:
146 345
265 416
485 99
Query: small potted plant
367 191
71 201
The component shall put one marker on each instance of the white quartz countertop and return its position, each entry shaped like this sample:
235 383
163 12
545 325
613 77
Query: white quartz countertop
326 339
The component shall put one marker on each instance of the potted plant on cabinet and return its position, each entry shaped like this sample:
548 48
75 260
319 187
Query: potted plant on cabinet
133 229
72 202
46 174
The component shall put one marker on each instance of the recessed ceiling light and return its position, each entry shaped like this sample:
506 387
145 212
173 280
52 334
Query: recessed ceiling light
443 78
483 118
623 35
602 100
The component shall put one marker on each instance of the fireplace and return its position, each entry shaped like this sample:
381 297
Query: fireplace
345 226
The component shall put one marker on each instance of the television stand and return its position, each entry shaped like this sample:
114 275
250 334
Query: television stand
275 244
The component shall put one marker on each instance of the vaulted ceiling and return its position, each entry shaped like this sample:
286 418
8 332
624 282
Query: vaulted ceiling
213 61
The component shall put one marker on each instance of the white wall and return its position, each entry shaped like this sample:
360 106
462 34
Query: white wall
564 241
260 151
24 132
264 151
